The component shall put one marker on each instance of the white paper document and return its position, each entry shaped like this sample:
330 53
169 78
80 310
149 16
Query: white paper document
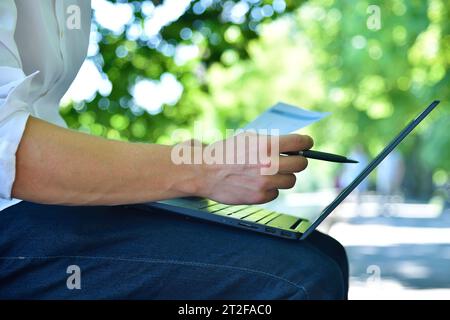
285 118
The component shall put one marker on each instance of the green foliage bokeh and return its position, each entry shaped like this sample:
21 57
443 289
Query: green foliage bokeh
318 54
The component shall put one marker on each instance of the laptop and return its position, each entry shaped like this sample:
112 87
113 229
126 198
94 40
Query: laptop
260 219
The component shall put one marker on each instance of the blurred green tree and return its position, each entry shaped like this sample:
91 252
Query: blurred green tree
320 54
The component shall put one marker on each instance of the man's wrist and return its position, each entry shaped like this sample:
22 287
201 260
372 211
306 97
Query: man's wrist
187 179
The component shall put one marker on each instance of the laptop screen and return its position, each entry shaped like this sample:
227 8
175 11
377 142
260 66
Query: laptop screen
371 166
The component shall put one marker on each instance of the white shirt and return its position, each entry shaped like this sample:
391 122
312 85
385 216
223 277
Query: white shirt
42 46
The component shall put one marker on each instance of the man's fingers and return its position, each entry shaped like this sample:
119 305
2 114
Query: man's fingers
295 142
286 181
271 195
278 181
290 164
264 183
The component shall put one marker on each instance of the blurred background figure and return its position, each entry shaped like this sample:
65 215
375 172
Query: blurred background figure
390 174
389 179
351 171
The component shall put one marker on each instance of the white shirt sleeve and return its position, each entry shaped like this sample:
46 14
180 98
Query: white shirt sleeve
14 86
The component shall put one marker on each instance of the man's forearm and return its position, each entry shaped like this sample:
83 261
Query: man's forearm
60 166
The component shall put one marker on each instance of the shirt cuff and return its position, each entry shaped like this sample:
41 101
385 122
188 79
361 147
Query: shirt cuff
14 113
11 134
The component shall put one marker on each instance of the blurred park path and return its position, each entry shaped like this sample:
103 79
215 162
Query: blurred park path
396 251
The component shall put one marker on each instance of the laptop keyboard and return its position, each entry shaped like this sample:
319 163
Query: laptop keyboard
257 215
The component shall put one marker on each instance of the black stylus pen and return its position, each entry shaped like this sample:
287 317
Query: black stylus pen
318 155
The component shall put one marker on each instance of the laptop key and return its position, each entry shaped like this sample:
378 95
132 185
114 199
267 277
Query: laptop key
187 203
217 207
230 209
208 204
283 221
245 212
303 226
255 217
268 218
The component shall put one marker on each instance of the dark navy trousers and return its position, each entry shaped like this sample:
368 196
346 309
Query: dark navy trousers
119 252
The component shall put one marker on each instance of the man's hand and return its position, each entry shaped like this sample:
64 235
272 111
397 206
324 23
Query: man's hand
244 181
